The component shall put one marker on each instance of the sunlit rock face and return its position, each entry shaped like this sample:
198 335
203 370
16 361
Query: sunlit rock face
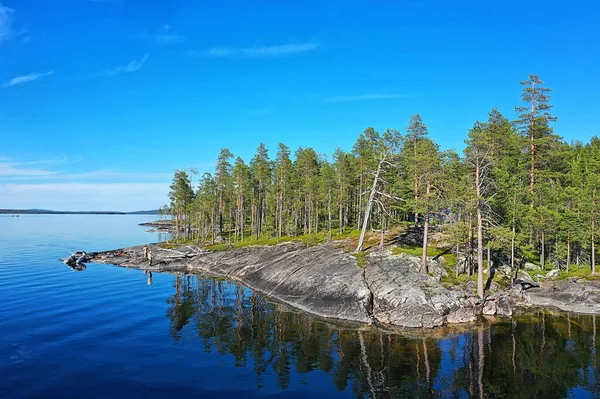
403 297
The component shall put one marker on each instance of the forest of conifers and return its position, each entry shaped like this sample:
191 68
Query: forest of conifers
517 189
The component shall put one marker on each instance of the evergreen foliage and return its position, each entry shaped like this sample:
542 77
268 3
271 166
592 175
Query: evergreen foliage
518 192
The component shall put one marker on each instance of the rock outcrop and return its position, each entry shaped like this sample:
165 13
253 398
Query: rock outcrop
326 281
404 297
569 296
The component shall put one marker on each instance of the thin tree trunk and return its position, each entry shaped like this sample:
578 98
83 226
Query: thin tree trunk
543 254
568 250
382 233
512 250
593 232
424 268
368 209
469 257
479 233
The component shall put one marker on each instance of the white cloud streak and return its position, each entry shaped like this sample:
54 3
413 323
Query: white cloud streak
364 97
133 66
266 51
6 28
26 78
15 170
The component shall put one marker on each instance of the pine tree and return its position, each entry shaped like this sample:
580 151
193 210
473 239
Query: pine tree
534 120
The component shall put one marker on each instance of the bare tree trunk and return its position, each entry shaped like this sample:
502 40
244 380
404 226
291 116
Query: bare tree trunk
424 268
329 214
369 206
469 257
479 233
512 250
593 232
381 240
568 250
543 254
457 254
489 260
341 219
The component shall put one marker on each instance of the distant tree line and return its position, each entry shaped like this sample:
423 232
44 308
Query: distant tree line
518 191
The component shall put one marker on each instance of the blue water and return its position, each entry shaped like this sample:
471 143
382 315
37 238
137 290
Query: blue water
115 332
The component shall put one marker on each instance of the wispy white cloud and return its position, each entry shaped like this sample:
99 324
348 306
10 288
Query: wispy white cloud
10 169
364 97
26 78
166 35
133 66
264 51
6 23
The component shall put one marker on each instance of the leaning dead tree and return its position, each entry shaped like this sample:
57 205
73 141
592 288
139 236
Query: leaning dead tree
375 191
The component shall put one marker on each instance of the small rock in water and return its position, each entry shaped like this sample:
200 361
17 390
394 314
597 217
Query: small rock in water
504 307
462 315
489 308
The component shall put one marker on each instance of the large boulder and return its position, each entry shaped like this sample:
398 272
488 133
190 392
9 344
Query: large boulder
489 309
552 274
531 267
504 306
404 297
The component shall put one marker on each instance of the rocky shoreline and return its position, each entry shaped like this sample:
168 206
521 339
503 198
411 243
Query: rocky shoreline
161 225
326 281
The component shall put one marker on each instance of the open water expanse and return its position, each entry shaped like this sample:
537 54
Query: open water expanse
114 332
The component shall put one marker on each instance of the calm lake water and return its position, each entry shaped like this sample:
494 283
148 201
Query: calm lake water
107 332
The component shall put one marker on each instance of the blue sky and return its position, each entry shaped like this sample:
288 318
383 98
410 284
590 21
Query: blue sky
100 100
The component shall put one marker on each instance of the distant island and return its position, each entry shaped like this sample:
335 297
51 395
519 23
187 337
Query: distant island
51 212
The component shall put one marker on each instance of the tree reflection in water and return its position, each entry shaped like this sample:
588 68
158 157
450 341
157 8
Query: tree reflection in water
536 355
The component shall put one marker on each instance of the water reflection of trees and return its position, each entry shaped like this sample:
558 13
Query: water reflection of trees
542 355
